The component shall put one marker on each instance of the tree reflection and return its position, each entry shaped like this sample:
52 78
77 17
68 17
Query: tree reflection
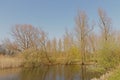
58 72
83 72
34 73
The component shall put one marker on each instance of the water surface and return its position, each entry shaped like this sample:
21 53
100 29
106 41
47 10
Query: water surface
69 72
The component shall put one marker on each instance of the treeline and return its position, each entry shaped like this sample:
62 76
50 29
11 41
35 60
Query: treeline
82 45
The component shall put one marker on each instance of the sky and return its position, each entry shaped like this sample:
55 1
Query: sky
53 16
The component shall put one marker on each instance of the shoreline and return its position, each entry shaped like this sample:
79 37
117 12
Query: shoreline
107 74
22 66
18 61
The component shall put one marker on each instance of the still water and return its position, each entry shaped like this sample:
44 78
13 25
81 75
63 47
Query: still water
69 72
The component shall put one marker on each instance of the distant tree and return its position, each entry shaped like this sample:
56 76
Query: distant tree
48 45
2 50
60 45
67 41
10 47
93 42
54 45
82 31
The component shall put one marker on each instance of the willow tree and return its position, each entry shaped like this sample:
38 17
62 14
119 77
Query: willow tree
82 31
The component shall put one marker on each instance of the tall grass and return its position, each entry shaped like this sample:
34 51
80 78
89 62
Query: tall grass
10 62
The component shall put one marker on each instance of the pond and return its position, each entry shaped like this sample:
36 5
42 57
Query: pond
58 72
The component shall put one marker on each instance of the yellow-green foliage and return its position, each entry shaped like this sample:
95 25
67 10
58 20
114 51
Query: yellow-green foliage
109 56
73 54
31 57
115 75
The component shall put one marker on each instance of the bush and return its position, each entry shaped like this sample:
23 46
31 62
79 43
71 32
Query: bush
31 57
108 56
73 54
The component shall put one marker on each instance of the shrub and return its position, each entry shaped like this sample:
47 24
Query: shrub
31 57
108 56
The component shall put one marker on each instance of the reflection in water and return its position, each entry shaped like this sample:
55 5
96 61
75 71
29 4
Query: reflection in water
9 74
10 77
83 72
70 72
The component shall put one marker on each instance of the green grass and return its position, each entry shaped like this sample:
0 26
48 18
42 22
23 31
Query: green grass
115 75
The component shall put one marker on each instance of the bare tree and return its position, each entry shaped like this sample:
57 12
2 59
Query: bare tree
11 47
67 40
104 24
60 46
82 30
93 42
54 45
48 45
28 36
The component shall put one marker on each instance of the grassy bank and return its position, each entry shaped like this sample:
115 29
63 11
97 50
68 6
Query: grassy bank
115 74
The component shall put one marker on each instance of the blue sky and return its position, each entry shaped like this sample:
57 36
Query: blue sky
53 16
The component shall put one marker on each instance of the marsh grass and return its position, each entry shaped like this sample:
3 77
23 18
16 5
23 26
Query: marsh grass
10 61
